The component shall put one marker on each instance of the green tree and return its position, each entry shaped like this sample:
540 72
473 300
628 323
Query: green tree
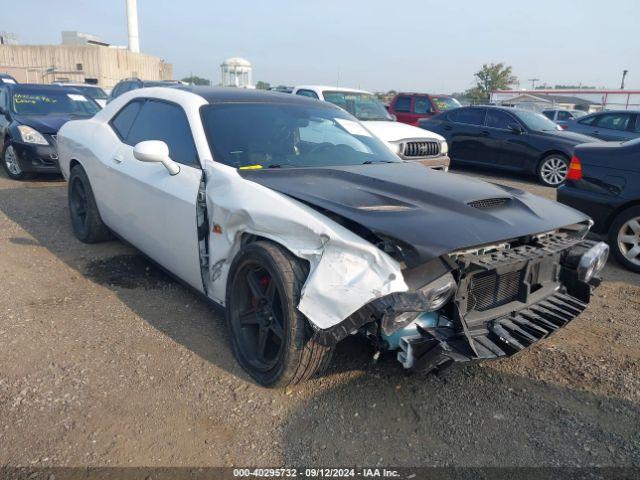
260 85
495 76
195 80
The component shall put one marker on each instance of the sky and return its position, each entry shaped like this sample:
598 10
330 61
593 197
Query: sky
431 46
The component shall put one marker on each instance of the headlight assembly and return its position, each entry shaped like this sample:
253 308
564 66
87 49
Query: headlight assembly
30 135
444 148
439 292
593 261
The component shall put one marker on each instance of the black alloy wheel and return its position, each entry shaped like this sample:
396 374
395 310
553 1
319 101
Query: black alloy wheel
87 224
271 339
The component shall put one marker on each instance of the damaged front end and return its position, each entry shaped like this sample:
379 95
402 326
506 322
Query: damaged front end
484 303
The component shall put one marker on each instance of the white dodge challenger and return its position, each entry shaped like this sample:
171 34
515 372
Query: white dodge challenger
298 221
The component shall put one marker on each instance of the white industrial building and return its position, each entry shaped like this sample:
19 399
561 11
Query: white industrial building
236 72
581 99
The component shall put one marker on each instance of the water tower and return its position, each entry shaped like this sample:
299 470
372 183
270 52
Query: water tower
236 72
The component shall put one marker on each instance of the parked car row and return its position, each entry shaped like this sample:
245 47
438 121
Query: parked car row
306 228
407 141
507 139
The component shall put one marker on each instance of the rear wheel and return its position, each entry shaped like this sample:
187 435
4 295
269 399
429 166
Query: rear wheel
87 225
11 163
624 238
271 339
553 170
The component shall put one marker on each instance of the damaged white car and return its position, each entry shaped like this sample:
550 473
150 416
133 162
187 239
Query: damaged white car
307 229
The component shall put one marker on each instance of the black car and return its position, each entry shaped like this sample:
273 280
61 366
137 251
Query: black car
604 183
30 117
610 125
509 139
124 86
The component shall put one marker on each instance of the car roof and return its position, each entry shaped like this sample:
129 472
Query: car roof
329 87
424 94
615 111
246 95
37 87
63 84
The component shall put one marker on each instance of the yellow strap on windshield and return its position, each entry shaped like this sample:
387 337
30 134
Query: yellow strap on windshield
251 167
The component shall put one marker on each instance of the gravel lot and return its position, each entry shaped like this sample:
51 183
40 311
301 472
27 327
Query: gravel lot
106 361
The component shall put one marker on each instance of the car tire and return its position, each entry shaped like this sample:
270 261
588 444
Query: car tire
11 164
553 170
271 339
624 238
87 224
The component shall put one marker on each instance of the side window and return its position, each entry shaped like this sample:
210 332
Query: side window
307 93
614 121
122 121
548 114
562 115
636 128
498 119
403 104
588 120
167 122
3 98
422 105
471 116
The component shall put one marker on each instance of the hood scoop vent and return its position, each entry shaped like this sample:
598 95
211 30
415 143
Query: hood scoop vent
487 203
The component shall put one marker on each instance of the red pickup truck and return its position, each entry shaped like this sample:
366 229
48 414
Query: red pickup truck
411 107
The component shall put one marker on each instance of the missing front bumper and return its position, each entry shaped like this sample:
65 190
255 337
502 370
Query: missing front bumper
440 348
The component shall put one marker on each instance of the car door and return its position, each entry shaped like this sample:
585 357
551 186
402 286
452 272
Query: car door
504 145
468 143
613 126
156 211
422 108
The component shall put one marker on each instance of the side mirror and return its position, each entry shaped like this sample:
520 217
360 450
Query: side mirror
517 129
155 151
393 118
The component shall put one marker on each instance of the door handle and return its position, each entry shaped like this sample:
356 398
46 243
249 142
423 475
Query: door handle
118 158
484 133
448 127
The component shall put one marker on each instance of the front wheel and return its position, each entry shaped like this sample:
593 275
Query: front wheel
624 238
11 163
271 339
553 170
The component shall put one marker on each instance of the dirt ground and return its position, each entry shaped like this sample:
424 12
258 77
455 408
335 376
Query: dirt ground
104 360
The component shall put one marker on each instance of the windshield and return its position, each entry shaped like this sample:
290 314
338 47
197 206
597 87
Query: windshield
250 135
363 106
536 121
445 103
34 102
94 92
578 113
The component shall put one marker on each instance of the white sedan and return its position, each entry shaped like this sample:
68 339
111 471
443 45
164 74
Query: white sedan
307 228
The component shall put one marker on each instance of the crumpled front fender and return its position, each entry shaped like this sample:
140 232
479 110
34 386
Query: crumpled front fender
346 272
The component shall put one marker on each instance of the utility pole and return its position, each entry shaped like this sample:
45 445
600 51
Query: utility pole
533 82
624 75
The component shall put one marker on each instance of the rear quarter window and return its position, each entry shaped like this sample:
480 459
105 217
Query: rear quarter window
403 104
122 121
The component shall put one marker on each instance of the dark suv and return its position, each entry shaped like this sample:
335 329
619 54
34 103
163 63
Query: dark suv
124 86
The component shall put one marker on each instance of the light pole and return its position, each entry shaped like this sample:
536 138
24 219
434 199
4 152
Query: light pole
624 75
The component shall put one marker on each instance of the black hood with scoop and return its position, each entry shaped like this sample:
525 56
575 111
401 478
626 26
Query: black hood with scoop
433 212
